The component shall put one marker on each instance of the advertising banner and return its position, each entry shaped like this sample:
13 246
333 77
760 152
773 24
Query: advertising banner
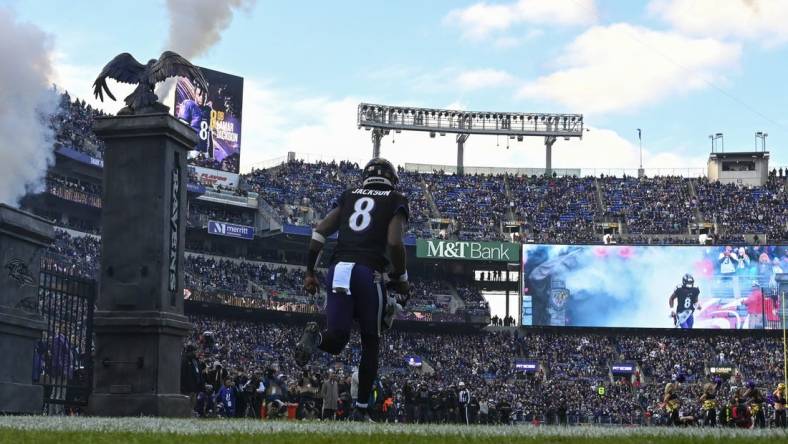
213 178
230 230
718 287
413 360
215 115
525 365
466 250
622 368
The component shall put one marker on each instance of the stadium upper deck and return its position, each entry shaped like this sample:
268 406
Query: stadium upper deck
487 207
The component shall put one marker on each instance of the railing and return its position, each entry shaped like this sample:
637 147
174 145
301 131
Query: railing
250 202
452 169
649 172
228 297
428 168
306 158
74 195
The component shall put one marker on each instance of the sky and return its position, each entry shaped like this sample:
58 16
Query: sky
678 69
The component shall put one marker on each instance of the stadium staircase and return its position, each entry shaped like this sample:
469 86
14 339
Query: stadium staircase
600 205
694 194
456 301
426 367
267 217
434 213
509 199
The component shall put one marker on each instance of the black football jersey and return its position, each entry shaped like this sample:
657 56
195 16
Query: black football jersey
364 217
686 297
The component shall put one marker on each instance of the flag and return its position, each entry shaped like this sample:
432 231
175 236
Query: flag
639 134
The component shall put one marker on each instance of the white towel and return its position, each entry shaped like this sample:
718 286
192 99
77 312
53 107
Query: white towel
342 272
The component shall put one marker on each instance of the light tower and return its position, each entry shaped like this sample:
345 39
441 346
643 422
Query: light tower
381 119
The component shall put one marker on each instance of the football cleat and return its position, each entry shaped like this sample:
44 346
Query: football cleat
307 346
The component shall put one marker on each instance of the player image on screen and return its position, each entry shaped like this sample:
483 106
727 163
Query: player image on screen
687 298
197 113
369 219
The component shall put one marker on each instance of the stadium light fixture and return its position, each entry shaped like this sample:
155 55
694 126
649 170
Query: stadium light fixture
714 138
469 122
383 118
760 135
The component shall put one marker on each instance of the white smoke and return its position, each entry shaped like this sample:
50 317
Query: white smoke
197 25
640 285
26 98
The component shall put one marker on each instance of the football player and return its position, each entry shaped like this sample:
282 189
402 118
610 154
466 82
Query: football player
687 298
370 219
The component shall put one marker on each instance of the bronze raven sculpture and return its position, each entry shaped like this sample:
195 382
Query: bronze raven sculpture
126 69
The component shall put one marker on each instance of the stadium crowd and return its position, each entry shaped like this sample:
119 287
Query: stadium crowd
267 285
72 124
200 214
547 209
77 255
242 368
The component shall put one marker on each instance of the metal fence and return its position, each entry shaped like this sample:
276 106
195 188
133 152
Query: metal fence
63 362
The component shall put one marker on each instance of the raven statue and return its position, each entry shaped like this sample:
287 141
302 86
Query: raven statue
126 69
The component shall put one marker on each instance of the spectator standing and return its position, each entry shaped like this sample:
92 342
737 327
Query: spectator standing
329 392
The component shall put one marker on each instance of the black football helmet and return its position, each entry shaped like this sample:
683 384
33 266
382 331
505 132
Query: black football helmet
688 280
380 171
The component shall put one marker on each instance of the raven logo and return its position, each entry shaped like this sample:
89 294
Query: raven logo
19 273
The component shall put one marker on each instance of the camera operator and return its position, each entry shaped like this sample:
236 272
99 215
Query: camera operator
216 376
252 393
437 406
451 405
205 406
275 395
329 392
307 391
422 410
191 375
241 395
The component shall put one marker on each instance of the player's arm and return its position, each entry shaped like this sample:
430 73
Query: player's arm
696 301
326 227
396 245
672 298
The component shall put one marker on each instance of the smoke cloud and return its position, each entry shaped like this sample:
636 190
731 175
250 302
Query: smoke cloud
26 97
197 25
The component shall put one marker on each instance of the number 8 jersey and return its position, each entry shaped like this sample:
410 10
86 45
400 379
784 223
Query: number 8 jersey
686 297
364 217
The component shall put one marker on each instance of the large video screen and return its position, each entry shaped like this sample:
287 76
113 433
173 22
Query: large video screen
719 287
215 115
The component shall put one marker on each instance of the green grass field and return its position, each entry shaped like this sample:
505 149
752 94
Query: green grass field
57 430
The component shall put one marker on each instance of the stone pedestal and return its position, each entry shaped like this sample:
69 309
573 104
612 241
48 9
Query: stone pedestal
23 238
139 322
